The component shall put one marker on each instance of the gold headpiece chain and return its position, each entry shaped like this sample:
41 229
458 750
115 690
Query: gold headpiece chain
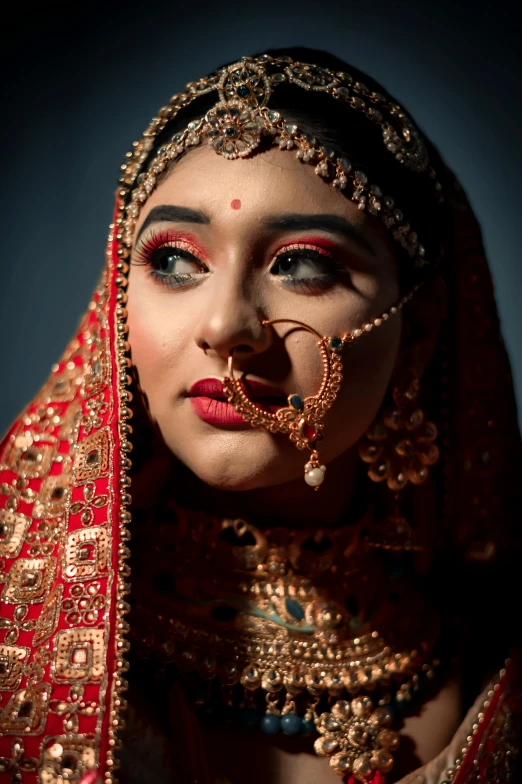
236 124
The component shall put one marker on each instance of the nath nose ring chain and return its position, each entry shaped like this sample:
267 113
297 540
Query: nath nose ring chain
302 418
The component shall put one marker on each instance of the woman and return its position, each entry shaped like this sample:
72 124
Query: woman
295 336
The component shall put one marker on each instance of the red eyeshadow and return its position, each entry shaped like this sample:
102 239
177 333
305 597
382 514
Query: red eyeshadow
320 242
169 236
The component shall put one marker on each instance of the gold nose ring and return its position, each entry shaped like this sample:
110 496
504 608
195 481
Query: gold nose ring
302 418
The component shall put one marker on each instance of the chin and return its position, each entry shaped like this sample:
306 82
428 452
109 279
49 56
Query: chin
229 480
237 469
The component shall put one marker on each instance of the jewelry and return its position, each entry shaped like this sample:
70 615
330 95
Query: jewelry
235 126
278 642
400 446
302 418
394 533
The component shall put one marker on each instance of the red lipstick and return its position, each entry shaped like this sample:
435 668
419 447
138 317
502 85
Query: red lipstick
209 401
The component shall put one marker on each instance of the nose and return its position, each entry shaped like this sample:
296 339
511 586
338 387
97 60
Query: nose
232 322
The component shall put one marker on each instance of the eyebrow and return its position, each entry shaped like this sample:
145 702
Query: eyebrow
297 221
172 214
335 224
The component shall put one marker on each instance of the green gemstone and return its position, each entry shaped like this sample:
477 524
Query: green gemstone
294 609
296 402
336 344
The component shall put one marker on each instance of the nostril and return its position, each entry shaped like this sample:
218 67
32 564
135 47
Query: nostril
242 349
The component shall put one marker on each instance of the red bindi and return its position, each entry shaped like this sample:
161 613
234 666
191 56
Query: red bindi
235 204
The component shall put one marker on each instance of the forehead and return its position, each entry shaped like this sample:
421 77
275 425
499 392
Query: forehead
268 182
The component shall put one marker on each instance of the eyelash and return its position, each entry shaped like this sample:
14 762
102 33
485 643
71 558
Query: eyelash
147 253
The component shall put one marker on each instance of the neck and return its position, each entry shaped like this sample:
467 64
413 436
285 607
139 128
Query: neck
289 504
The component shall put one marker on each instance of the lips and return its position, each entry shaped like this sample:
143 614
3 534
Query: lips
210 403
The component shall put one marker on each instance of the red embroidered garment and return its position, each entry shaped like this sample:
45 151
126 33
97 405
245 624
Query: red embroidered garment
64 510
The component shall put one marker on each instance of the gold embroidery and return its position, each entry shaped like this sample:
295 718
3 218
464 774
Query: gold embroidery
97 371
13 528
34 671
44 539
73 707
18 763
26 710
69 420
18 623
67 759
43 422
62 386
96 407
34 456
12 660
18 491
92 461
48 620
30 461
498 750
84 604
90 503
29 580
86 553
79 655
53 495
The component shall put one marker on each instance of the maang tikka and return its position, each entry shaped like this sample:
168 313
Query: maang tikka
303 418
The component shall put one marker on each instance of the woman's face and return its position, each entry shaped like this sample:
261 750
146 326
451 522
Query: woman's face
221 245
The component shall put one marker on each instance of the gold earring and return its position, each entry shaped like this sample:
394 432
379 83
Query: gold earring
302 418
399 446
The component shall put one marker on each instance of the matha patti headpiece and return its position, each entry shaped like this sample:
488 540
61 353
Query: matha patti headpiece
241 118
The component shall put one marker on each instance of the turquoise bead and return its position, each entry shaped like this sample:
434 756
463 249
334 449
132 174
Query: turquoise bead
290 723
270 724
307 727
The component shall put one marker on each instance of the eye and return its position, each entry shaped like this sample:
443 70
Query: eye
307 267
170 261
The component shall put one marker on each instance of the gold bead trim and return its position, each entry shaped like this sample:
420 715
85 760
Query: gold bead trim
120 685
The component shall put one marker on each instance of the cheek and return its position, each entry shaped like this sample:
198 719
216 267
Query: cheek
154 334
368 366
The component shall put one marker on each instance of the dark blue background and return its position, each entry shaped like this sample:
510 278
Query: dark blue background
82 80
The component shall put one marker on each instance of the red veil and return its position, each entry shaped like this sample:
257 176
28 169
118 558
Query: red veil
64 538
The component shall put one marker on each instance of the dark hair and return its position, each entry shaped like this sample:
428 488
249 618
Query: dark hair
352 135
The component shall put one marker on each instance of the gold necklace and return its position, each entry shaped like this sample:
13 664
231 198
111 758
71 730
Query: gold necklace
293 619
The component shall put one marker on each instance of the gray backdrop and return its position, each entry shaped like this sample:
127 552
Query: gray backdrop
81 81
